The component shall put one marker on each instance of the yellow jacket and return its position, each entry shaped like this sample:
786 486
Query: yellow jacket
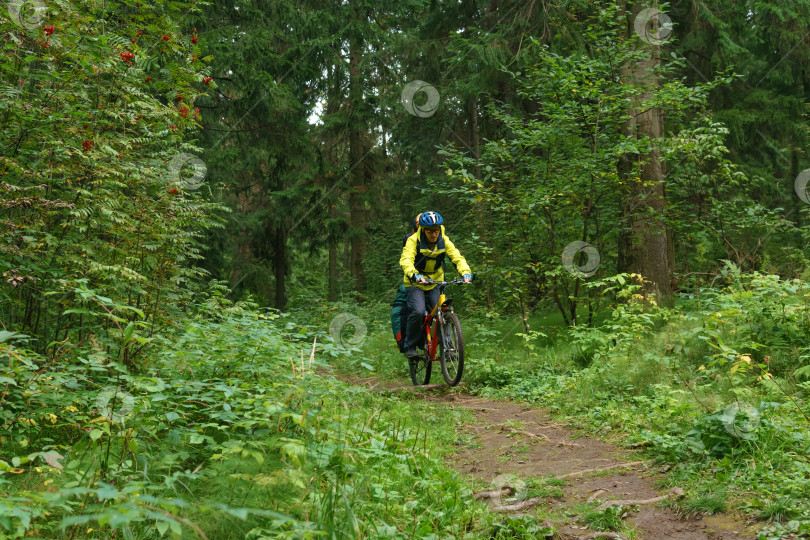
418 258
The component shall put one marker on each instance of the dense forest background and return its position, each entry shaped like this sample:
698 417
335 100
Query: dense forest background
321 130
187 185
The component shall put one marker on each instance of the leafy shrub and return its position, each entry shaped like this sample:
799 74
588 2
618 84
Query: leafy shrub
493 374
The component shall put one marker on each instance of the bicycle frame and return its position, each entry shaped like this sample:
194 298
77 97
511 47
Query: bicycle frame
432 343
431 324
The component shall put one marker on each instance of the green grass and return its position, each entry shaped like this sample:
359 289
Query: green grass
779 509
231 436
711 389
690 385
703 504
609 519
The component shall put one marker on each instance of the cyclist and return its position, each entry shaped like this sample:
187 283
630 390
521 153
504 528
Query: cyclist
423 256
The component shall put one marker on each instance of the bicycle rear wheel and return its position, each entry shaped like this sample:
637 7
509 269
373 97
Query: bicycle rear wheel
451 350
420 368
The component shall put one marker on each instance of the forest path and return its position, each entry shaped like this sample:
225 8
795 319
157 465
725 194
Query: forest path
510 443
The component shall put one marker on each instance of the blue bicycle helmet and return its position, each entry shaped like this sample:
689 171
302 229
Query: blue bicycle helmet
430 219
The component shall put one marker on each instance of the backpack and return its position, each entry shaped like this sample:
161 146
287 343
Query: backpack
399 311
399 315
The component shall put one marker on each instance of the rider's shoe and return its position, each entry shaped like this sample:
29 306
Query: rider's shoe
411 353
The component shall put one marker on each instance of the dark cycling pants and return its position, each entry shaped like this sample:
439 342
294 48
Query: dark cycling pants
416 313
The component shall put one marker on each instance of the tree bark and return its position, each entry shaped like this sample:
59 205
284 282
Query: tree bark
332 277
357 151
280 266
643 239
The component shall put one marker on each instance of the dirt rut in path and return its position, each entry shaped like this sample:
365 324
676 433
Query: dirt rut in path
510 439
499 448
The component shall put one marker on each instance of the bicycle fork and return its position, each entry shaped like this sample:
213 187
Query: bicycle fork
434 334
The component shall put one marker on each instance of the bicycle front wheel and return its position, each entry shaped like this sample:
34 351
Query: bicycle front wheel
420 367
451 350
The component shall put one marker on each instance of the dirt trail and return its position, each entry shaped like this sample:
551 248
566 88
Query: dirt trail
495 447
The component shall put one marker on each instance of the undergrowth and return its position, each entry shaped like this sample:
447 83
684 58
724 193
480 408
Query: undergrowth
231 429
716 389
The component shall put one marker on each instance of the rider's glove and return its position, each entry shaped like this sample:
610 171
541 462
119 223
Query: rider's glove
419 278
467 278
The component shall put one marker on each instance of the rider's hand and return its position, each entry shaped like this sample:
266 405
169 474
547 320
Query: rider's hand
419 278
467 278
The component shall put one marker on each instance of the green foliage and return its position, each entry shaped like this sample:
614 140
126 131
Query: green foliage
519 527
712 387
609 519
230 431
704 503
93 216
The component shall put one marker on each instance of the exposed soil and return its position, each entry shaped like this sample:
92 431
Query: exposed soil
496 452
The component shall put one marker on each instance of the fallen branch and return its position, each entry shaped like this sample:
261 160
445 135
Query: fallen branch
596 494
505 490
678 492
599 469
594 536
526 433
528 503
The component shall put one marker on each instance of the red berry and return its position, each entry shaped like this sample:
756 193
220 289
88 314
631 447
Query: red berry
49 29
178 98
172 128
166 38
183 112
207 80
87 145
194 39
139 33
197 109
44 44
132 40
148 79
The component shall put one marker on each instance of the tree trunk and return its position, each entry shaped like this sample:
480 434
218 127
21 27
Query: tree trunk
643 239
482 210
280 266
332 277
334 103
357 151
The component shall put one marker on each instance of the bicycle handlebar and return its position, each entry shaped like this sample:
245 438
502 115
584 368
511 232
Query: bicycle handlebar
453 282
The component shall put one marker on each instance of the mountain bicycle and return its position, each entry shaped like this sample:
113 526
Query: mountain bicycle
441 332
